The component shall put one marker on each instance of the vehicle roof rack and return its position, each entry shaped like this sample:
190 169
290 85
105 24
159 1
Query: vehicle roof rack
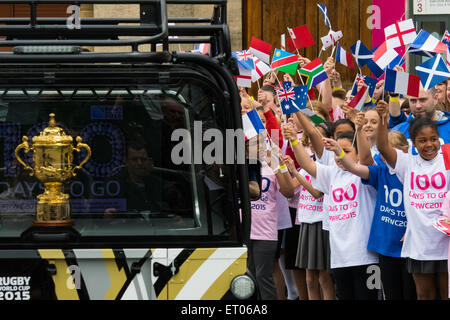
153 27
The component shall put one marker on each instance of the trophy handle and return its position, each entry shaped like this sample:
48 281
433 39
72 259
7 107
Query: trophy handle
24 145
81 145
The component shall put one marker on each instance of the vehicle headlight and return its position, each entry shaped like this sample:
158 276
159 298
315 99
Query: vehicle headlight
242 287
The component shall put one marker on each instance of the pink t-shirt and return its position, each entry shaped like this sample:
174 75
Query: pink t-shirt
265 210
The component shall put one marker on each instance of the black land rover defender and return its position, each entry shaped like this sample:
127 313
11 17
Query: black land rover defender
150 212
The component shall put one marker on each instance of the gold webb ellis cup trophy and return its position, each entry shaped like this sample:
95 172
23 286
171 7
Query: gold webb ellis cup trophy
53 157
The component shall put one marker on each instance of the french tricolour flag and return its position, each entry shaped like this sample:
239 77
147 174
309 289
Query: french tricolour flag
260 49
202 48
429 43
402 83
344 57
252 124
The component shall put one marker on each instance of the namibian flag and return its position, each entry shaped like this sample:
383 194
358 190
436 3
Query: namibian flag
284 61
313 73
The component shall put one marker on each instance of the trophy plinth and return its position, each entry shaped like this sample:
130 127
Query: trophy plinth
53 157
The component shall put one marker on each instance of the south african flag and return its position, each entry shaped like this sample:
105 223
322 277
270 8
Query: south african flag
313 73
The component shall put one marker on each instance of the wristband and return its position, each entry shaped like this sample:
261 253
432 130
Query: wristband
294 143
374 101
275 171
283 168
341 155
337 88
393 99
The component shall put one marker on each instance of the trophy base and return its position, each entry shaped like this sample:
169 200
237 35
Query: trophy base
53 207
53 223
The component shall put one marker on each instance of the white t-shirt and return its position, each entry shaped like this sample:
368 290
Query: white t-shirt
425 184
310 210
351 207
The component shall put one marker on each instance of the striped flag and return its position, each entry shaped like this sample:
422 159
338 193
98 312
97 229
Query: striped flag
384 56
252 124
313 73
402 83
283 42
244 79
260 69
285 62
428 43
202 48
358 101
260 49
344 57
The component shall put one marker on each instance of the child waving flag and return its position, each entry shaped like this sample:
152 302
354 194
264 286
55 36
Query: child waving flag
425 183
351 206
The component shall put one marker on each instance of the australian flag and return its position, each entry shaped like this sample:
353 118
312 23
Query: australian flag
292 99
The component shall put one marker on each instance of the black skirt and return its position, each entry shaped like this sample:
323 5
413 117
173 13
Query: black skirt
313 247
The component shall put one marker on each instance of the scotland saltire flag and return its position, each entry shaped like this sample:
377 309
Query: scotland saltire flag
244 59
323 9
433 72
362 55
292 99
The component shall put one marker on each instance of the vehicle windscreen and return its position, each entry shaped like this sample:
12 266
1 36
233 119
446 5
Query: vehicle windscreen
143 178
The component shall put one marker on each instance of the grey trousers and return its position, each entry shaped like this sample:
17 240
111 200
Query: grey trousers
260 263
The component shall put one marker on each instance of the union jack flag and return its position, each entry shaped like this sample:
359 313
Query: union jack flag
244 59
446 38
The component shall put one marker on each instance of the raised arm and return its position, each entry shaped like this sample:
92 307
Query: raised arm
326 87
361 171
282 173
386 150
298 179
314 136
300 153
365 156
